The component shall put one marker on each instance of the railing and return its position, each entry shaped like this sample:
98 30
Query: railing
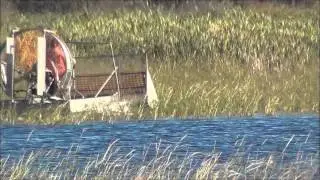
129 84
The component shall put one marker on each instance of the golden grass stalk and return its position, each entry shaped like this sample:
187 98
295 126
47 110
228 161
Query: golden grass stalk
162 163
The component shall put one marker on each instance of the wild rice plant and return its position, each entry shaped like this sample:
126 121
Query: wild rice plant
230 61
275 41
162 162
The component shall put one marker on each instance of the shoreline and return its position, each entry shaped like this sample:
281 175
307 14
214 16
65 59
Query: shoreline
41 117
240 61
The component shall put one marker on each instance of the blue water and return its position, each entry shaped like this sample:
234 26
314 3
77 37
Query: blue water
255 136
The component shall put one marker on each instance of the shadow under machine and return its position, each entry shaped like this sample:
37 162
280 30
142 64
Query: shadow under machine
25 81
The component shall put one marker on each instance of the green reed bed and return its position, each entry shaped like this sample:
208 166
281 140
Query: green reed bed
245 35
232 61
233 90
158 162
193 90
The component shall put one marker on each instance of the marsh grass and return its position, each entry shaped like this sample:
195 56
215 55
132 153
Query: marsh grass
188 90
278 38
60 114
157 162
213 89
224 61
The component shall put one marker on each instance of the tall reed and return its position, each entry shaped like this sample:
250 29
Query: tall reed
158 162
223 61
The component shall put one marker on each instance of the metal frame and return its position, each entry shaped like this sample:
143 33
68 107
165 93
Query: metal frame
114 72
69 80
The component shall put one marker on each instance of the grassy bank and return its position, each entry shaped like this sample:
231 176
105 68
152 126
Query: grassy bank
232 61
206 91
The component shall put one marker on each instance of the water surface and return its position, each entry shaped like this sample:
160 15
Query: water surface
256 136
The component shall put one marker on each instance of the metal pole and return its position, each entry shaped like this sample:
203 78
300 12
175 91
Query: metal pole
12 73
116 69
104 84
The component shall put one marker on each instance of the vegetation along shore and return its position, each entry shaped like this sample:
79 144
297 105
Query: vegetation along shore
224 61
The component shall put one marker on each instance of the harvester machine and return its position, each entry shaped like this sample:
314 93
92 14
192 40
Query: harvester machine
38 68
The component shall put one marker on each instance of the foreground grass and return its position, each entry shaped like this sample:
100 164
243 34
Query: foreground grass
159 163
